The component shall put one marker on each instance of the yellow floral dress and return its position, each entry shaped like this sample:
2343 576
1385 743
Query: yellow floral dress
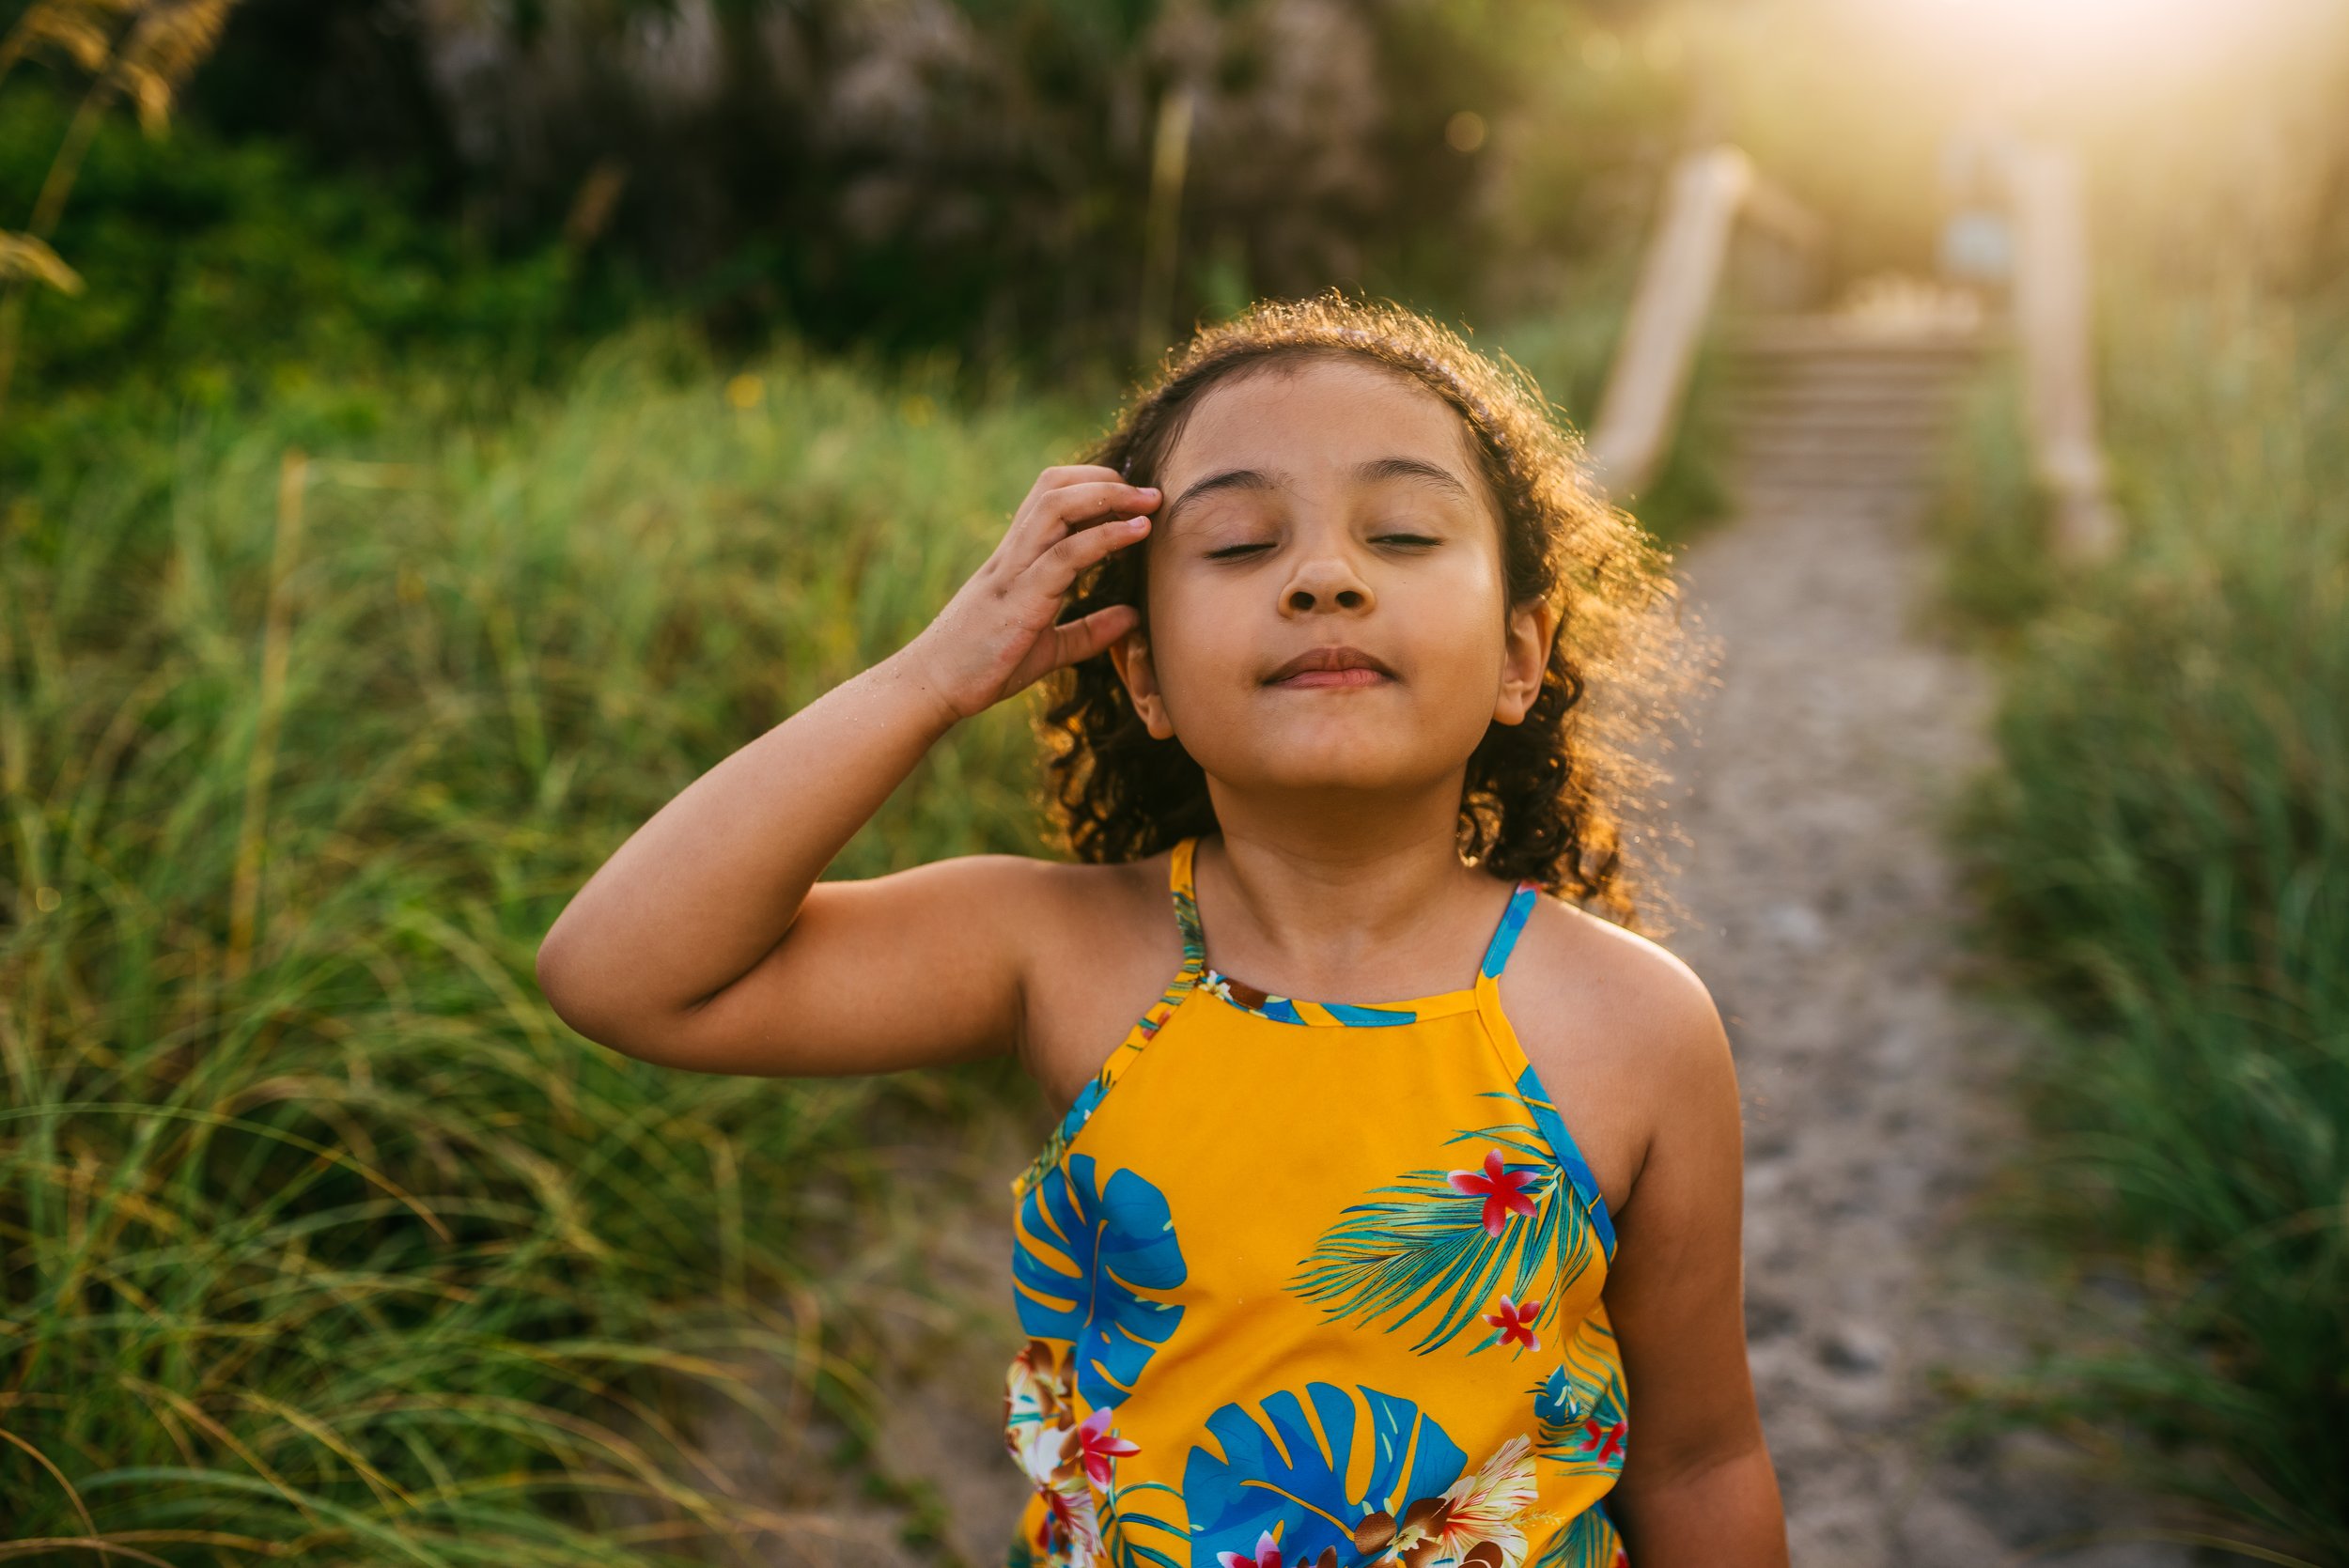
1310 1285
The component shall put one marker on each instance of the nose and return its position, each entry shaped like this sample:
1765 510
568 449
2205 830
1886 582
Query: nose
1326 579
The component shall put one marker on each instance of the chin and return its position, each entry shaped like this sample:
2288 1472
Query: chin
1362 760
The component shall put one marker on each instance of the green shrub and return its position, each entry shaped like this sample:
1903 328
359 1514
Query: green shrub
221 275
2165 858
1991 521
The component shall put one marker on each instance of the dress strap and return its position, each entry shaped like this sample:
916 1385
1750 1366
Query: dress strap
1145 1029
1505 935
1178 882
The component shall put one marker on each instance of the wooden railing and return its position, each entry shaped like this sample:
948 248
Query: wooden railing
1715 193
1712 191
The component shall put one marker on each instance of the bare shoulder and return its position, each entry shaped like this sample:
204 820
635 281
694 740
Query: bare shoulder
1637 995
1620 1029
1078 912
1098 944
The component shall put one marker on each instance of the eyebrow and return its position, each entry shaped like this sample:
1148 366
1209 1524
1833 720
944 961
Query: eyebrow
1371 472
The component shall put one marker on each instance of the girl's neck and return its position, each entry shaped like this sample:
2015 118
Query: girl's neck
1317 902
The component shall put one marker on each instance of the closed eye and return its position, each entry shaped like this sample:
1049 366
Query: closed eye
1234 552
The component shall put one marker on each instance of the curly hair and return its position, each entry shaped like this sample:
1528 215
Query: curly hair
1543 799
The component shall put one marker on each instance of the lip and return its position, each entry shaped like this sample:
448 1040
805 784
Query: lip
1335 666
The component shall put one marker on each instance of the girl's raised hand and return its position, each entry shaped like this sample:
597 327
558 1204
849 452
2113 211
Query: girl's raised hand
708 941
997 635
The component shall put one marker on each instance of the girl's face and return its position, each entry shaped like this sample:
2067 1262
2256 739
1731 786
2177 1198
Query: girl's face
1330 510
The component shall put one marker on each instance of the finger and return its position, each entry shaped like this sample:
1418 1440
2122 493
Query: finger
1077 641
1065 474
1058 567
1057 513
1062 472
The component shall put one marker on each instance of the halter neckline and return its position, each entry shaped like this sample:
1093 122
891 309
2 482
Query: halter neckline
1181 882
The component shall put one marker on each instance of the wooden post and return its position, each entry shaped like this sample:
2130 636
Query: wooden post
1712 193
2053 319
1682 268
1711 190
1170 163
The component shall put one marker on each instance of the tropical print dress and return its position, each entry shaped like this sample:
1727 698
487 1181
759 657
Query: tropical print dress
1310 1285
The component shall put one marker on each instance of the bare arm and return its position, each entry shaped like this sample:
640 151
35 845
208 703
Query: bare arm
707 942
1697 1489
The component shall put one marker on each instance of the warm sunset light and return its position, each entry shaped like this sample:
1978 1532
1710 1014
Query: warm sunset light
2093 46
1185 783
2102 24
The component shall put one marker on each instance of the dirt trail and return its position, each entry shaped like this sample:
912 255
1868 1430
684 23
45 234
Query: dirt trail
1821 912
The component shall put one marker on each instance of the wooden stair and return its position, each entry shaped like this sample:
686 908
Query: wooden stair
1845 408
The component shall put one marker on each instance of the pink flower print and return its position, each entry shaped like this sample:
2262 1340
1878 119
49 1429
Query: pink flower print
1516 1321
1092 1441
1504 1190
1605 1437
1267 1555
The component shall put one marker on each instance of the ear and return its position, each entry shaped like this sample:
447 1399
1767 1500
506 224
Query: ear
1525 656
1131 655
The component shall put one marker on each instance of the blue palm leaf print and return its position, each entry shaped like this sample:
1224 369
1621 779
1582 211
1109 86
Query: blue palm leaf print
1280 1475
1064 1132
1086 1255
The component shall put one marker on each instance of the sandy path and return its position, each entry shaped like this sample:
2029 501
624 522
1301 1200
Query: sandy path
1820 911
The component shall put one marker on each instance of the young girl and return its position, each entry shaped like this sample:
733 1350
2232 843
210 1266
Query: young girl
1440 1266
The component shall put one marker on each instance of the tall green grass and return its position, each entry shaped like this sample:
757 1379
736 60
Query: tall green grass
318 1236
2164 861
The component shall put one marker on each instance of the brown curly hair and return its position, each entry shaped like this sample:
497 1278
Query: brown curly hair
1543 798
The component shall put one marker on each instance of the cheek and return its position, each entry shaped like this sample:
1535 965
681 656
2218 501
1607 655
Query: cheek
1451 621
1204 640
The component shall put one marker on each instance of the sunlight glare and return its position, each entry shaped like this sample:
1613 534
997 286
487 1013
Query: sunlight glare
2097 49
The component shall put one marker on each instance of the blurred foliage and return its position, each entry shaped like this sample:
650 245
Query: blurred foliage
318 1230
138 52
2164 860
910 174
216 271
1992 520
